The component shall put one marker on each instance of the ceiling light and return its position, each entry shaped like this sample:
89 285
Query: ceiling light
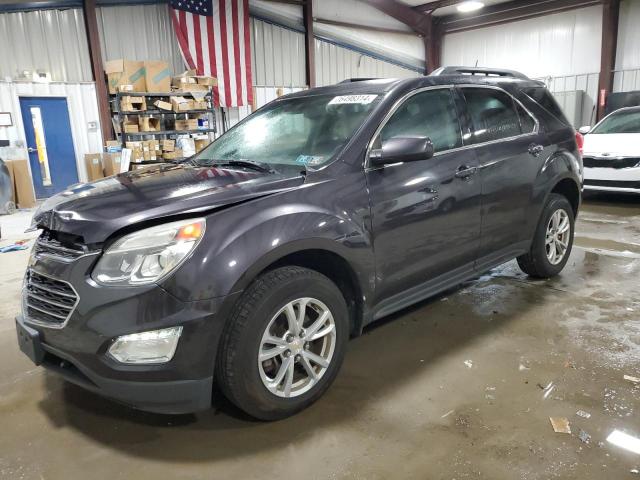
469 6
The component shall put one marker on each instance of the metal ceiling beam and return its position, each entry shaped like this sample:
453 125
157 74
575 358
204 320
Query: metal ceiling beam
403 13
510 12
431 6
372 28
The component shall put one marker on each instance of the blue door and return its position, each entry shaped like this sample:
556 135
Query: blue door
51 153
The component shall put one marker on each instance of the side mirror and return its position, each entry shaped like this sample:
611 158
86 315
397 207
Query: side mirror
584 130
402 149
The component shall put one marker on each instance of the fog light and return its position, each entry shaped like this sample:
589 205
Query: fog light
155 346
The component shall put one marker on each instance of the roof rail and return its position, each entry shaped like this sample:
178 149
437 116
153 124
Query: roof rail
351 80
487 72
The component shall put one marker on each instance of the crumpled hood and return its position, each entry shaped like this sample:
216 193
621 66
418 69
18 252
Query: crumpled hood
613 144
98 209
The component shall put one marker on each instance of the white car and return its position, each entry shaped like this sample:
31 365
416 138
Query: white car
612 152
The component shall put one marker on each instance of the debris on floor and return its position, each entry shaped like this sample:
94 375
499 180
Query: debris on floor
447 414
584 437
547 390
631 379
560 424
583 414
468 363
19 245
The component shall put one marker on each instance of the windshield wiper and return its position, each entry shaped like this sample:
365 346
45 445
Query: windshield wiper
242 163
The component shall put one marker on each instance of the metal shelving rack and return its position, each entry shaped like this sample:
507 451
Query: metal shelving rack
163 114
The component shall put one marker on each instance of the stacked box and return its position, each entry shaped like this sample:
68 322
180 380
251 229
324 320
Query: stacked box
187 124
148 124
133 104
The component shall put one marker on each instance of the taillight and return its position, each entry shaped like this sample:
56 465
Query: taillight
580 142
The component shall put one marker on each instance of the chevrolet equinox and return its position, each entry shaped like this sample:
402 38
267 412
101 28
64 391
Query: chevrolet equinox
249 265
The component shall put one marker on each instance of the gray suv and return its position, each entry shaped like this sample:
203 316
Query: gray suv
248 267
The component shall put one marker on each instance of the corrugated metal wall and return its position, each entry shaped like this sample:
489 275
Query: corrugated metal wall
277 55
566 43
335 63
49 40
83 108
139 32
627 74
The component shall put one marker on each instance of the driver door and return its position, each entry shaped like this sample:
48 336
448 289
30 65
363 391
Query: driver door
425 213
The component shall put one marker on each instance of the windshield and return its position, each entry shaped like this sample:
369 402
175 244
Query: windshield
620 122
306 131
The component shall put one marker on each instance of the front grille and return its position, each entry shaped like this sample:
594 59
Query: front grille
48 301
600 162
612 183
48 245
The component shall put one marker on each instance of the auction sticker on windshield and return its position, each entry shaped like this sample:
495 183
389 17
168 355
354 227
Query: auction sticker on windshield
359 99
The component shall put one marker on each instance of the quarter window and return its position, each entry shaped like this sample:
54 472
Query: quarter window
432 114
493 115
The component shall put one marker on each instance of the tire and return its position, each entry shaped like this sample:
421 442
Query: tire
536 263
243 378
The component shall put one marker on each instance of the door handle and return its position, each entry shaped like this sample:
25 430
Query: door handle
32 150
465 172
535 149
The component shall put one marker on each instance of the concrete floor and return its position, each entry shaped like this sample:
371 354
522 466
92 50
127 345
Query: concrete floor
458 387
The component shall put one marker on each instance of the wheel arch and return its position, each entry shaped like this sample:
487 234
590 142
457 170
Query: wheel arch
568 188
323 257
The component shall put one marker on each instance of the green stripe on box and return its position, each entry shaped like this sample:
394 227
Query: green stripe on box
136 76
161 75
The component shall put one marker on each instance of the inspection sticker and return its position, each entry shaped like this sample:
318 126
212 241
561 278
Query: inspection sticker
359 99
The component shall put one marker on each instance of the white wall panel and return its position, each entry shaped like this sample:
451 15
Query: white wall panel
628 54
83 108
139 32
560 44
49 40
335 63
277 55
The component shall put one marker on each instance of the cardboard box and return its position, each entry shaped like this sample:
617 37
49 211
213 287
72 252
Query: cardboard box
157 76
125 88
200 105
24 193
168 145
194 87
209 81
163 105
113 146
148 124
172 155
111 163
181 104
188 124
125 72
131 125
200 143
93 164
133 104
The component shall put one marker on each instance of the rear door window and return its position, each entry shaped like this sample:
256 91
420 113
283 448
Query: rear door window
542 97
493 114
432 114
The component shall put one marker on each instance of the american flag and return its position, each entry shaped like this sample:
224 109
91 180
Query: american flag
214 39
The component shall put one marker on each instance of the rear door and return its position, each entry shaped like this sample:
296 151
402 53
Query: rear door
50 144
510 150
426 213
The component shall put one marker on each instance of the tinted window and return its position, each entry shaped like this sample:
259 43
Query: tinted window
527 123
625 121
427 114
543 98
493 114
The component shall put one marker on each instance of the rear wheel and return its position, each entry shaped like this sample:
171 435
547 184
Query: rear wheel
284 343
552 241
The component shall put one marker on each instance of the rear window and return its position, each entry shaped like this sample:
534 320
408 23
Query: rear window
542 97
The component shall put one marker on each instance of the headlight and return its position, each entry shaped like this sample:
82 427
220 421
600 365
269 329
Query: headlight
147 255
155 346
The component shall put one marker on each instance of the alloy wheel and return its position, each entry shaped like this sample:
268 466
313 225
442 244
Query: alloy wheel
297 347
557 237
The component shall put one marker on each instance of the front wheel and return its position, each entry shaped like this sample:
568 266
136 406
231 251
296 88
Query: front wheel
284 343
552 241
